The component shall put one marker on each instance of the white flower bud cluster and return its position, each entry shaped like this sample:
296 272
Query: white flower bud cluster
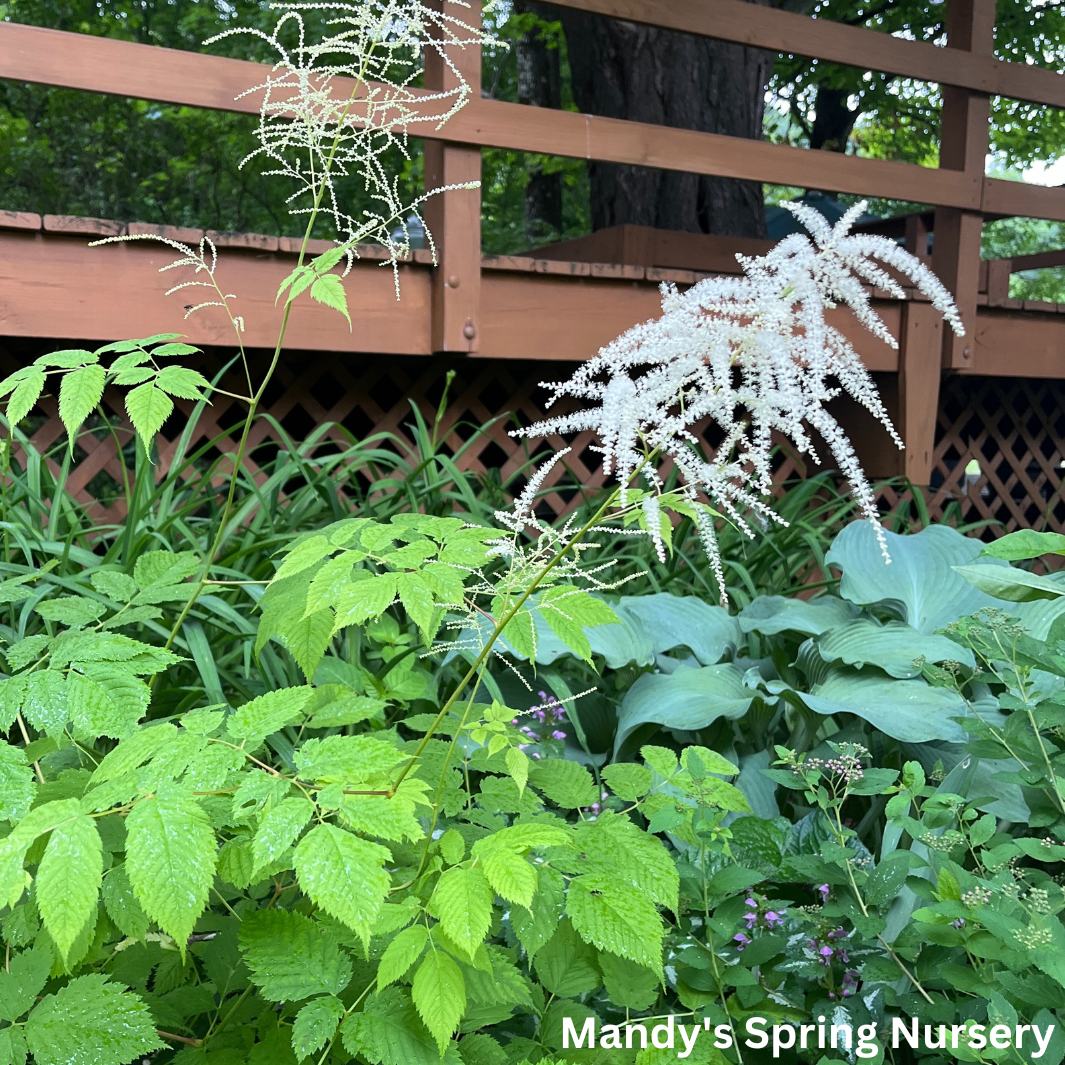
753 354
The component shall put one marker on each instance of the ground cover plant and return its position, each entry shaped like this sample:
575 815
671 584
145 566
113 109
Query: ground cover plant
296 770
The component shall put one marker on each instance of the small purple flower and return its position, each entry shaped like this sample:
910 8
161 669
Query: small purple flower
823 889
773 919
850 982
741 940
557 735
751 919
826 955
750 902
959 923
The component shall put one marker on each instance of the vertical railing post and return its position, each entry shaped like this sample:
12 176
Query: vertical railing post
963 144
454 218
920 348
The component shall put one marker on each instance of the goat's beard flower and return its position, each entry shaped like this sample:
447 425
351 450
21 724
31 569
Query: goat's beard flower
755 355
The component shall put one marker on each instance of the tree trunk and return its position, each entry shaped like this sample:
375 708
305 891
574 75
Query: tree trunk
624 70
833 120
540 85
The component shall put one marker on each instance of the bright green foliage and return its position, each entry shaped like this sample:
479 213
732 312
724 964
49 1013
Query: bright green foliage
83 380
291 957
389 1031
462 902
68 879
315 1025
170 859
344 875
401 954
439 995
90 1022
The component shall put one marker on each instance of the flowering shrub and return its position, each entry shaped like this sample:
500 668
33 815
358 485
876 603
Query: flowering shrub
358 846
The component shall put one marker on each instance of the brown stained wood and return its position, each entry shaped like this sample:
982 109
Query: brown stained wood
920 345
96 64
454 218
1015 343
787 32
1039 261
57 286
19 220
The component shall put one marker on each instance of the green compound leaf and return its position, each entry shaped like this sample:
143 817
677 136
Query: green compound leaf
122 905
170 859
79 394
292 957
148 407
68 880
462 902
345 875
439 995
90 1022
24 981
565 783
315 1025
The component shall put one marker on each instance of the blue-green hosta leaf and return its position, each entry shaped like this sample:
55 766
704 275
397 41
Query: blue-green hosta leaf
79 393
921 582
344 875
315 1025
615 917
90 1022
892 647
772 614
18 786
909 710
170 859
671 621
68 879
1010 584
292 957
687 699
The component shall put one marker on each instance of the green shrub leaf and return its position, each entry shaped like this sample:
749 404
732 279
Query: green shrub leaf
292 957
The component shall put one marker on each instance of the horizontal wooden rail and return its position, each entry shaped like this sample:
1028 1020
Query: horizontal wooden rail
99 64
785 31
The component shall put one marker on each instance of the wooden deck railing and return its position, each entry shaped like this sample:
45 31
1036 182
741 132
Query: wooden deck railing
958 189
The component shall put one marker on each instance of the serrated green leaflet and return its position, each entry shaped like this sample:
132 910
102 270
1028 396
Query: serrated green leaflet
90 1022
263 716
68 879
79 393
279 828
401 954
389 1031
462 902
439 995
615 917
170 859
23 981
345 875
148 407
17 783
315 1024
292 957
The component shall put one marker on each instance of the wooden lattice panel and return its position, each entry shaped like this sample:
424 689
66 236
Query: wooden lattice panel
1015 430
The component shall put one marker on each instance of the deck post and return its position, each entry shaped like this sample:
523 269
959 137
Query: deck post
963 145
920 345
454 218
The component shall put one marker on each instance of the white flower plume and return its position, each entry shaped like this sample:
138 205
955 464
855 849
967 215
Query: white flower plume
333 107
753 354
